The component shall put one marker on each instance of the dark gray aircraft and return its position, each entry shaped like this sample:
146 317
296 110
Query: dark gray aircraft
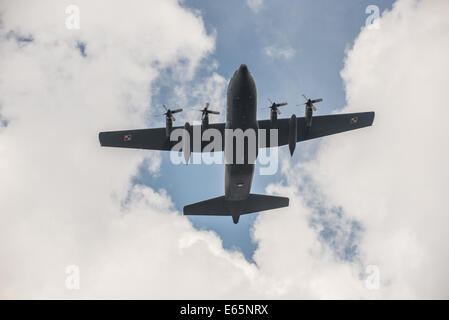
241 113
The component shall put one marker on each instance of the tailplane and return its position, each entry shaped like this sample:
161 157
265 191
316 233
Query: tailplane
221 207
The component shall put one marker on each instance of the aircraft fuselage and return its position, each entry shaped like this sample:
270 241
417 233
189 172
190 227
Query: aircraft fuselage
241 113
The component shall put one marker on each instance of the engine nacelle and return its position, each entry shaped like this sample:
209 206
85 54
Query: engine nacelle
168 126
205 122
273 118
186 147
308 117
292 133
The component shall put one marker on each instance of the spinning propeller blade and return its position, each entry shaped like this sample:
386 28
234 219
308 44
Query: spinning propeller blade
310 102
169 113
274 106
206 111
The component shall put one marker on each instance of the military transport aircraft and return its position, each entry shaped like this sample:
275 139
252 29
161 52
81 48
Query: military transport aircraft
241 113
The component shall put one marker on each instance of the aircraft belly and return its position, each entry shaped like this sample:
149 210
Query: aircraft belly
238 180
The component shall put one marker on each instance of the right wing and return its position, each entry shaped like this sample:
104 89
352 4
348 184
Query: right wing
321 126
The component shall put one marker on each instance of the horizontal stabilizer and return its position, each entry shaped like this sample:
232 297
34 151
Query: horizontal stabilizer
221 207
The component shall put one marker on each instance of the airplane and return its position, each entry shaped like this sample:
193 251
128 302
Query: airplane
241 113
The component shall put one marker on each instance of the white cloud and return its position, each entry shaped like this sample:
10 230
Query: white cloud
279 53
399 191
393 177
65 200
255 5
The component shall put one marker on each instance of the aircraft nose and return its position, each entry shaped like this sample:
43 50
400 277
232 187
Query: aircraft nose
242 77
243 72
243 68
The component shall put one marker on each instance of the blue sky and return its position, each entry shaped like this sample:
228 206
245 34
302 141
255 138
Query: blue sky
317 34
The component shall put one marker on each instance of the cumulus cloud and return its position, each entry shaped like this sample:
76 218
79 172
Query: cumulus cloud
66 201
399 191
392 178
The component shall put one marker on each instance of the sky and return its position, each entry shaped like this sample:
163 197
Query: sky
368 210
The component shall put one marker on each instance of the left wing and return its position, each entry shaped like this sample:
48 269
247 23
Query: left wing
152 139
321 126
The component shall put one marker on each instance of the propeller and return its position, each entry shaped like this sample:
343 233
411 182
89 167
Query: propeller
310 102
274 106
169 113
206 111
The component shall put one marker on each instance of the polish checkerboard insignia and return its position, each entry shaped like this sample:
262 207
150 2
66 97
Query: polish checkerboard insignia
127 137
354 120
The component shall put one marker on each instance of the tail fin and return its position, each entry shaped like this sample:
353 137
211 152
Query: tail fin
222 207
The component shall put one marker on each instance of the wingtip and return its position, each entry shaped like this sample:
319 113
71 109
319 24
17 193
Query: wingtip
373 116
100 138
